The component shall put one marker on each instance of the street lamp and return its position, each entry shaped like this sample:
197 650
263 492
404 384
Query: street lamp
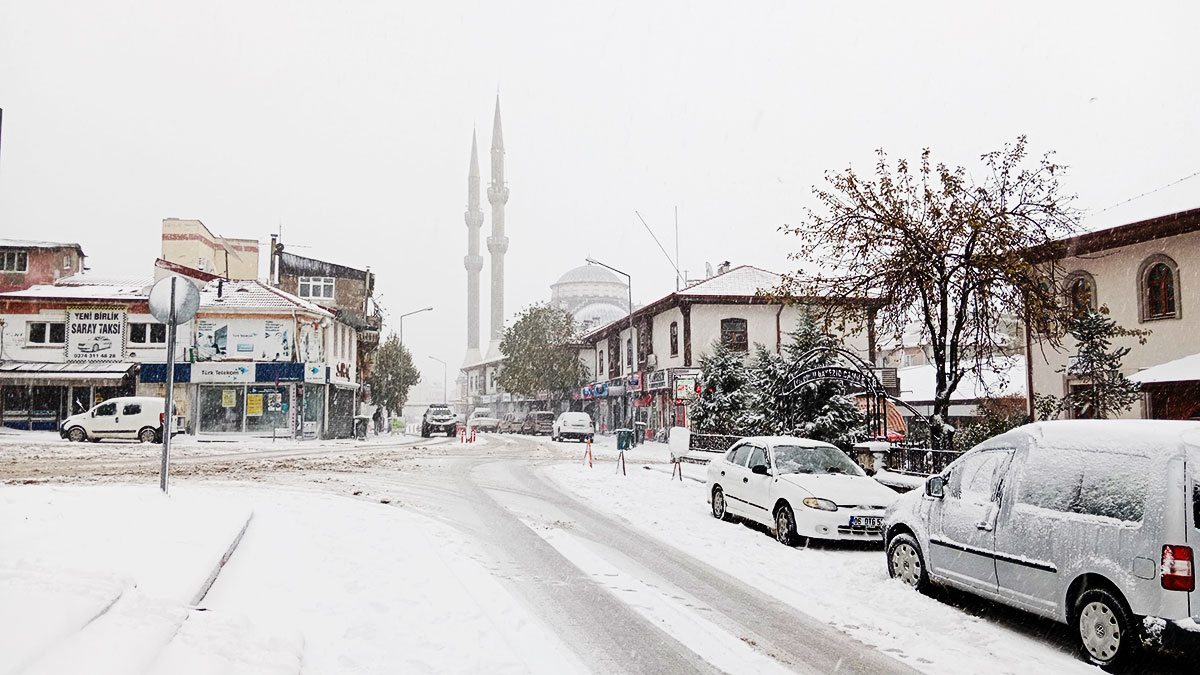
629 356
415 311
443 376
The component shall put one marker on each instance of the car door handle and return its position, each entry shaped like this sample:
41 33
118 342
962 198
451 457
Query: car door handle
722 473
746 479
985 526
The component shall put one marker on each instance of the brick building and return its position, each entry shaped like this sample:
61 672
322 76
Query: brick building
29 263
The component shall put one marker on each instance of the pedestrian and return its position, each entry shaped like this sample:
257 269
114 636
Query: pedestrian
378 419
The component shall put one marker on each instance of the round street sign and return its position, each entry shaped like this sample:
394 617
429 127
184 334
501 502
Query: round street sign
187 300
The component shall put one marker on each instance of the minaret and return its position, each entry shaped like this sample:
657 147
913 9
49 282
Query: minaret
473 262
497 243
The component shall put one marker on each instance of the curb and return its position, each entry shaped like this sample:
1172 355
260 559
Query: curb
650 468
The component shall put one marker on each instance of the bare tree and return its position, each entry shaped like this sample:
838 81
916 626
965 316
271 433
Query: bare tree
940 250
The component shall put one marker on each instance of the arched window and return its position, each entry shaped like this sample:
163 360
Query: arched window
1158 296
1081 293
674 338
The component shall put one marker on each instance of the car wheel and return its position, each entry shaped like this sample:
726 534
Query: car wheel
718 505
785 526
450 433
77 435
906 563
1104 625
424 431
148 435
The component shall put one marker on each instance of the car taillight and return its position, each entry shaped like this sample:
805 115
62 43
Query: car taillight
162 419
1177 571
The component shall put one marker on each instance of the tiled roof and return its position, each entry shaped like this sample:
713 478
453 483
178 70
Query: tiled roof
742 280
84 287
253 295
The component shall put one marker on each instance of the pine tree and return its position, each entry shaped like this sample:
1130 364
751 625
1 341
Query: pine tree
818 410
393 375
725 393
1097 366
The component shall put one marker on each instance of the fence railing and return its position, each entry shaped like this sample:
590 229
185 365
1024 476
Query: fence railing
919 461
702 448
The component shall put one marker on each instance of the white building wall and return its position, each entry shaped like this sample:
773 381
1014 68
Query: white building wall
1116 275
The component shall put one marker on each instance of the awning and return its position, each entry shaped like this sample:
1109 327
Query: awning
1186 369
29 372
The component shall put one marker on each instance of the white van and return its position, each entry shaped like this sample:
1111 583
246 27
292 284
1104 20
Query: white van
577 425
132 417
1089 522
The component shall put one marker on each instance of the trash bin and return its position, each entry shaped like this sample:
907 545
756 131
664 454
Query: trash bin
640 436
624 438
360 426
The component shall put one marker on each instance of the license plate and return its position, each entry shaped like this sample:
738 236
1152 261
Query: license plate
869 522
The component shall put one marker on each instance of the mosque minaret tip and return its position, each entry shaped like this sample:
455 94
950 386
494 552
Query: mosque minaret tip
473 262
497 243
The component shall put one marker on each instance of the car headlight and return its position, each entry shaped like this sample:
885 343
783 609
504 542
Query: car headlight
820 504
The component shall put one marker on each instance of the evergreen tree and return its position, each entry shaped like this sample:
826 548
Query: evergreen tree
1097 366
725 393
393 375
541 353
818 410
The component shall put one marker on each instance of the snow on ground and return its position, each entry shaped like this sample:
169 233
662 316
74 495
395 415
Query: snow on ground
104 576
844 586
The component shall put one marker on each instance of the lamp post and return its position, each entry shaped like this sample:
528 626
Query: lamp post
629 356
443 376
415 311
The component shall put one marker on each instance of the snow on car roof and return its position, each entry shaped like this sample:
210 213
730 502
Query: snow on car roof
787 440
1127 437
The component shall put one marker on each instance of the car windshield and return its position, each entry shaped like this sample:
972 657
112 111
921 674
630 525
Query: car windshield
544 415
817 459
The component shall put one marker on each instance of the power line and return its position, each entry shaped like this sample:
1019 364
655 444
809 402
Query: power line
660 246
1163 187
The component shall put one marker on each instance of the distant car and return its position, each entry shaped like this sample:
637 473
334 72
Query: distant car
800 488
481 419
510 423
438 418
132 417
96 345
538 423
577 425
1092 523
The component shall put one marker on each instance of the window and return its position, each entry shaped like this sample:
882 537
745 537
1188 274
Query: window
66 262
733 334
1158 292
316 287
600 364
740 454
1081 294
972 477
1102 484
629 355
147 333
106 410
674 338
46 333
758 457
14 261
131 409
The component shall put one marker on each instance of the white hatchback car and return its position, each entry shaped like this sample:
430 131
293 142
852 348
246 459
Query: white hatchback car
799 487
577 425
1088 522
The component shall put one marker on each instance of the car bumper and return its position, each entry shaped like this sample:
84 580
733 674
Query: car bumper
574 434
836 524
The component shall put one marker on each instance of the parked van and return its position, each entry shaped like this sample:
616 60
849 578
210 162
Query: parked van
577 425
1087 522
132 417
538 423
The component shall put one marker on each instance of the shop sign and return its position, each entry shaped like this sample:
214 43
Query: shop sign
96 334
342 372
601 389
222 372
588 392
314 373
249 339
685 388
656 380
635 382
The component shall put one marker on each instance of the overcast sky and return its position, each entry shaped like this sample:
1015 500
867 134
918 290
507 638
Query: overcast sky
349 124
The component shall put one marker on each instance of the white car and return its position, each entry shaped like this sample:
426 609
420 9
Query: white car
482 420
577 425
132 417
1092 523
798 487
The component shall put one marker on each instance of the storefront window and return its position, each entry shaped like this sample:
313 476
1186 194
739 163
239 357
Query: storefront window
267 408
313 415
222 408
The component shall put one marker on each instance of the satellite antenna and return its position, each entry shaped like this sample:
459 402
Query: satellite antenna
171 303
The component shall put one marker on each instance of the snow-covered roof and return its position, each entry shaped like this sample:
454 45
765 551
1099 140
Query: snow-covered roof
28 243
1186 369
253 295
917 383
85 287
786 440
592 274
741 280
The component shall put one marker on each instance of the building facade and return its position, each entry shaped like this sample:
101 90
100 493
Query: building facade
1146 274
31 263
191 244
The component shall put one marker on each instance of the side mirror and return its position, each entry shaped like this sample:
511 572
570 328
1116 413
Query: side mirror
760 469
93 412
935 487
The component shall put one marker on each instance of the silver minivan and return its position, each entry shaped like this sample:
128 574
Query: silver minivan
1088 522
